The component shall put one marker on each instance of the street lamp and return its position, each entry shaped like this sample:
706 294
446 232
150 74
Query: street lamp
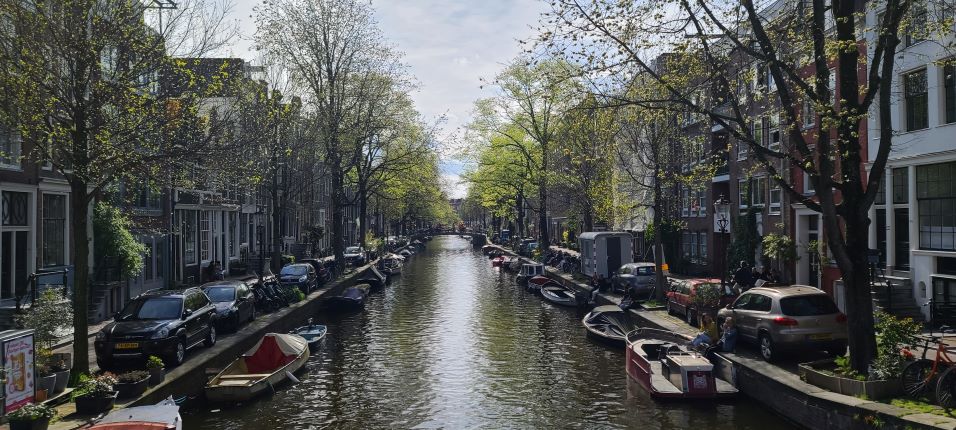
722 219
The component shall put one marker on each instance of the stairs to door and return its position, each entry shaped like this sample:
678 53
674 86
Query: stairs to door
894 295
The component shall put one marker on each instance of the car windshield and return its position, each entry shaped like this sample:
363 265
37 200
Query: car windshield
221 294
352 250
803 306
153 308
294 270
644 270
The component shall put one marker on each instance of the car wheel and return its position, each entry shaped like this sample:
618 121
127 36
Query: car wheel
179 354
691 317
211 336
767 348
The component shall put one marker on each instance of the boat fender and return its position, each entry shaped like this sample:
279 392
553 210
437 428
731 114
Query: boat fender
291 377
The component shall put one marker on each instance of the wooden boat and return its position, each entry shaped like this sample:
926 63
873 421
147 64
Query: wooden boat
608 323
391 264
529 271
352 298
514 265
260 369
313 334
161 416
659 361
558 294
487 249
372 277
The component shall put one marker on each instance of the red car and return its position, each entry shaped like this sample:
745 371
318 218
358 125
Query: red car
681 297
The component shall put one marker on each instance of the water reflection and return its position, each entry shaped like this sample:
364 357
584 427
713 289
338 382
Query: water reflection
455 344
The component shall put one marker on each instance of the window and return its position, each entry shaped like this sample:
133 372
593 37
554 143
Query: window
702 244
741 150
831 84
9 148
901 186
15 208
204 235
189 236
917 23
758 132
148 199
916 101
774 134
776 195
759 191
936 197
742 194
949 91
54 230
694 246
807 184
702 203
685 204
809 116
231 239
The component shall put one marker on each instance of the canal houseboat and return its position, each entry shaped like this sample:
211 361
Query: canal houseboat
660 362
608 323
271 361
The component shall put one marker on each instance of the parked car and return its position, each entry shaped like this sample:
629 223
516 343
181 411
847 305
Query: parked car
234 301
639 278
301 275
527 247
788 318
682 297
165 323
354 255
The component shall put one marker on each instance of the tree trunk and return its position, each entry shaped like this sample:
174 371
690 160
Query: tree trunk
858 300
363 212
544 240
338 206
276 225
588 220
659 279
79 201
519 209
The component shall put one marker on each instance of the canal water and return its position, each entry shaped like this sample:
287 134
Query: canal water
454 344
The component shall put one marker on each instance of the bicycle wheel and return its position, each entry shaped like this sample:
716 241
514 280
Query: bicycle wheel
946 388
914 378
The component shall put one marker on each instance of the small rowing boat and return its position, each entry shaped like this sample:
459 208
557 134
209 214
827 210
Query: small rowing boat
352 298
558 294
271 361
660 361
313 334
609 323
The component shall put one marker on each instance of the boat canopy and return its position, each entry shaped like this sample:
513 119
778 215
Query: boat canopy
273 351
162 416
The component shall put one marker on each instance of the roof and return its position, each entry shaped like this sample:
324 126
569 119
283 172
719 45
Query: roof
167 292
789 290
591 235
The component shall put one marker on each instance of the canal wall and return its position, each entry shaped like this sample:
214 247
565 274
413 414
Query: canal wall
190 377
783 391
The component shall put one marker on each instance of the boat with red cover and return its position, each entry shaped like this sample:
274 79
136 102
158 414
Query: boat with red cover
538 281
271 361
659 361
497 261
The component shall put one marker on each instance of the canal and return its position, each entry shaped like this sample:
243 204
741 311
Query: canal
454 344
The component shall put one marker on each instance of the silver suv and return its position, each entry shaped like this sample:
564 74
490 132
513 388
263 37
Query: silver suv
788 317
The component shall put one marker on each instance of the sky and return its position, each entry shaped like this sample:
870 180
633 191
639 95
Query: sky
449 45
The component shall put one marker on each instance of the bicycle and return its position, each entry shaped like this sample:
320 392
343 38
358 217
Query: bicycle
918 376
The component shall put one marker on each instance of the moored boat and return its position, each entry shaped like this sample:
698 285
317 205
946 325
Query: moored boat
372 277
391 264
608 323
161 416
313 334
558 294
536 282
660 362
497 261
350 299
260 369
529 271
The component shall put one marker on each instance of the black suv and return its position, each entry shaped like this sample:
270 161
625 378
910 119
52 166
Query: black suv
158 322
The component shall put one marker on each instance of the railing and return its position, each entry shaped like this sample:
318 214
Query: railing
31 285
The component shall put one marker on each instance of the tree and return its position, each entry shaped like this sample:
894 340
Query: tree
83 88
335 52
791 49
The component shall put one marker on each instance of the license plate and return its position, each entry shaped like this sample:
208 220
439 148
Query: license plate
127 345
825 336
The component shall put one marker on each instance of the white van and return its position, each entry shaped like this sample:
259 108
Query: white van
603 252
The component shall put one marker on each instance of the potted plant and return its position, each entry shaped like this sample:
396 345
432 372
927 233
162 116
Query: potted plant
31 417
131 384
59 364
95 395
45 378
157 374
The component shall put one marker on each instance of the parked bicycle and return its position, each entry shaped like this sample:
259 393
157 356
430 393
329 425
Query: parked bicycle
935 375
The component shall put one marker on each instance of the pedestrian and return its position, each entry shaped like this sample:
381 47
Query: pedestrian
743 278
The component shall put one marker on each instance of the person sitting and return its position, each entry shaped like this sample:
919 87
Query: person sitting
728 338
626 301
708 331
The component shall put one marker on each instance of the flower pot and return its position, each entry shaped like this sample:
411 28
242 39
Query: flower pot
814 373
157 376
46 382
62 380
40 424
93 405
40 395
131 389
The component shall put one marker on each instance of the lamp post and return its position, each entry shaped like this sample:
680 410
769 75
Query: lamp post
722 219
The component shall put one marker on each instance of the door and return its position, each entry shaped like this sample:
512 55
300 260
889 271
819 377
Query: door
192 324
613 249
14 261
902 238
744 315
